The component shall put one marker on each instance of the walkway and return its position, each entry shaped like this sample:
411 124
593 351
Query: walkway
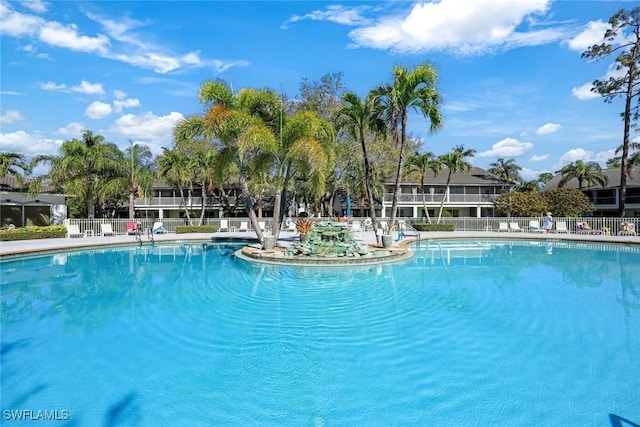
286 238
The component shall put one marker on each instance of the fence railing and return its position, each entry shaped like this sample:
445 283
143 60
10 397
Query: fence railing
120 226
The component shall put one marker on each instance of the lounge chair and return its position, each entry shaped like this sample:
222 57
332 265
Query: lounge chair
224 225
503 226
561 227
513 226
132 228
158 228
627 229
355 227
384 227
107 230
73 230
244 226
262 225
534 226
291 226
584 228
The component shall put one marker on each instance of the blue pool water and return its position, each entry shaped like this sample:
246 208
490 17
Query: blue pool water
466 333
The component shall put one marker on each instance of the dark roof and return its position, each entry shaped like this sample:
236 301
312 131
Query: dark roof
10 183
613 180
476 176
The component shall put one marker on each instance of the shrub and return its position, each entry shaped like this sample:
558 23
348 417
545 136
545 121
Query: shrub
183 229
568 202
520 204
32 233
421 226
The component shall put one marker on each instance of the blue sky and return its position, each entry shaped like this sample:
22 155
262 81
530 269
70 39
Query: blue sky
510 72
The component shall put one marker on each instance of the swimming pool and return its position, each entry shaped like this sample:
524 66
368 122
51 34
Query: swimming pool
467 332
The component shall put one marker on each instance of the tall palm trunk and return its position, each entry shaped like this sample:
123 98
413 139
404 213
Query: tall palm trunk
424 202
204 196
248 204
444 196
132 208
396 190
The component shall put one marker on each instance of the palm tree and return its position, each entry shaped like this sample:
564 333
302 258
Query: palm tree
173 169
508 170
85 168
411 89
455 162
141 173
361 118
13 164
424 163
589 173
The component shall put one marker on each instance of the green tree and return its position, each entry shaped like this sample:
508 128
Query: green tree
623 40
520 204
569 202
529 186
423 163
508 170
85 169
410 89
455 162
173 169
361 119
614 162
589 174
545 177
142 173
13 164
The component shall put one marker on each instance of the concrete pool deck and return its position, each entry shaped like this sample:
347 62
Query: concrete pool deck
26 247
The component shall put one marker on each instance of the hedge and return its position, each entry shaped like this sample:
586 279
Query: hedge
33 232
434 227
182 229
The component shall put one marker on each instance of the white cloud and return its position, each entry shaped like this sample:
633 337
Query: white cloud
98 110
464 27
120 104
35 5
508 147
586 156
88 88
584 93
538 158
59 35
17 24
592 34
73 130
30 145
52 86
11 116
548 128
334 13
147 126
123 46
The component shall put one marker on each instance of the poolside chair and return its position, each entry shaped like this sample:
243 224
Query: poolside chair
627 229
513 226
503 226
291 226
107 230
158 228
355 227
73 230
384 226
224 225
584 228
244 226
132 228
561 227
262 225
534 226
